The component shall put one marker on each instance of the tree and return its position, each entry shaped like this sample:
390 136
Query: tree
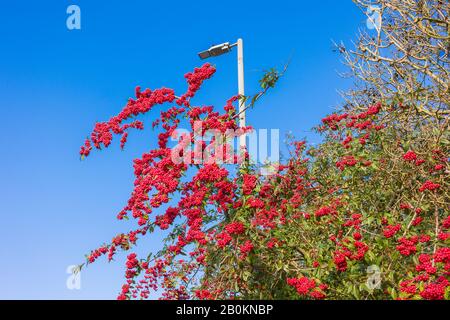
406 59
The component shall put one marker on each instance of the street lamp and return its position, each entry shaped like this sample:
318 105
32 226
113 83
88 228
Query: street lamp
226 47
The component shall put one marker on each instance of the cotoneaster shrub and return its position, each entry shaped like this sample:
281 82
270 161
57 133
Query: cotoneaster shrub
369 195
362 215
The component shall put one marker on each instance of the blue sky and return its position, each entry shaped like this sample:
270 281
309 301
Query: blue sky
55 83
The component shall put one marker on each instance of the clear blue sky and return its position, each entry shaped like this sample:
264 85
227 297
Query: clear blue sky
55 83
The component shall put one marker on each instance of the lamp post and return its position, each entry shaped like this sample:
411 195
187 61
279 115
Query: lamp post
223 48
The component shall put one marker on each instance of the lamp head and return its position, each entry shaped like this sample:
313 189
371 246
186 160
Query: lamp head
215 51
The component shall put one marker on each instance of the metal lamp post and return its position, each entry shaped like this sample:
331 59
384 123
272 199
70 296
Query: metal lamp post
223 48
